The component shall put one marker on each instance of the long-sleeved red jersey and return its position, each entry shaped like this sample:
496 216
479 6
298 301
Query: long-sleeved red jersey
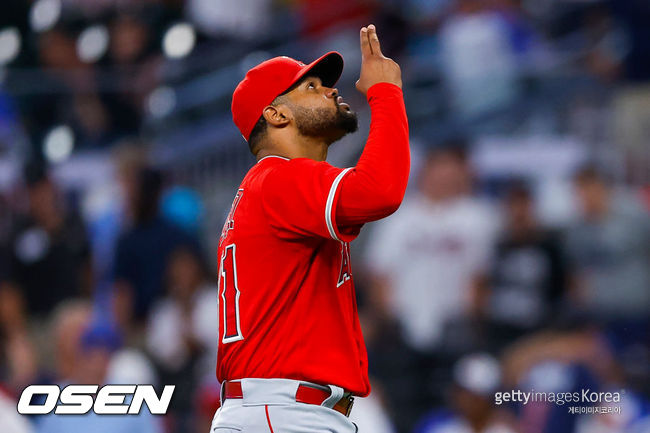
287 300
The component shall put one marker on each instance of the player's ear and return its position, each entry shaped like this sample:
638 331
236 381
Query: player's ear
277 115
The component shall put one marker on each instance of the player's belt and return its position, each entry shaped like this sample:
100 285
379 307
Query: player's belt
306 393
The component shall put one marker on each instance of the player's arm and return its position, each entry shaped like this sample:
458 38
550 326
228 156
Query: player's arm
375 187
310 198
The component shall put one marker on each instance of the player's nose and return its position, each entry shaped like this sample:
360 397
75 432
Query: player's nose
332 92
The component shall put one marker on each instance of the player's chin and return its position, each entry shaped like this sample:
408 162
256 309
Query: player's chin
346 111
348 121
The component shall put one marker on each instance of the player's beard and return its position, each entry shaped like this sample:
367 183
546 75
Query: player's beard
325 122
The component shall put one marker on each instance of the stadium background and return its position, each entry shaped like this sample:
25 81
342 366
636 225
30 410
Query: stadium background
520 258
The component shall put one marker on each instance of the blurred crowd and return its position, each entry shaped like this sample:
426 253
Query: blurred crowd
102 69
454 282
505 268
129 298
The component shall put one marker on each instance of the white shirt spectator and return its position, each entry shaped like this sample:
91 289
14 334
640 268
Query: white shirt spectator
431 252
478 62
128 366
370 416
244 19
10 421
168 328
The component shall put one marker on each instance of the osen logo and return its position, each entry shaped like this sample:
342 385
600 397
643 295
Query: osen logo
107 400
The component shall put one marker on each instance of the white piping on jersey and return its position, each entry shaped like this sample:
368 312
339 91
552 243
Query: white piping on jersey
330 202
273 156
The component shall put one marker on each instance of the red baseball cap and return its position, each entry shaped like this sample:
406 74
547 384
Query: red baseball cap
263 83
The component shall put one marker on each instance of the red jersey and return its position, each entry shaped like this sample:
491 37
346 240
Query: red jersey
287 301
288 307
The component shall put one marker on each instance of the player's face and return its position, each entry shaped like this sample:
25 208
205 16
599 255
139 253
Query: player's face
443 176
593 197
319 111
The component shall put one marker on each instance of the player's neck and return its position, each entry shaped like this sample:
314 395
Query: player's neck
312 148
300 147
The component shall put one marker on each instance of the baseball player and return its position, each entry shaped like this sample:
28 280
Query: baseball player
291 353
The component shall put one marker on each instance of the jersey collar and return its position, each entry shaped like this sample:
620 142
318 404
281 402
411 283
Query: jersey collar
272 156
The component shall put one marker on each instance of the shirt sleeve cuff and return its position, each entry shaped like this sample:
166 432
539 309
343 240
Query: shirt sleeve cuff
383 89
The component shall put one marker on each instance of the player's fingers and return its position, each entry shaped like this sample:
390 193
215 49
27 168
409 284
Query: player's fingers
374 40
365 42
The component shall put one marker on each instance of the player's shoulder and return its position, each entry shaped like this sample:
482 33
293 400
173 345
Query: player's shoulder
259 171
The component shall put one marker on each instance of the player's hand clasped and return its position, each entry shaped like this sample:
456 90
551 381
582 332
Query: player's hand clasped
375 67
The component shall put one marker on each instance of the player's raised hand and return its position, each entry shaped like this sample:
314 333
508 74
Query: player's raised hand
375 67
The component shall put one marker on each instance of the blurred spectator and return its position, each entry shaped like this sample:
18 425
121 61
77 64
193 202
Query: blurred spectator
245 19
10 420
182 331
18 361
527 277
5 225
391 14
109 206
92 122
69 322
129 37
319 15
478 59
98 343
426 258
13 319
631 115
369 413
609 249
427 11
9 122
71 98
184 322
74 324
184 207
57 53
635 15
630 104
95 351
49 252
476 379
520 29
143 250
424 262
569 359
129 366
606 42
135 68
